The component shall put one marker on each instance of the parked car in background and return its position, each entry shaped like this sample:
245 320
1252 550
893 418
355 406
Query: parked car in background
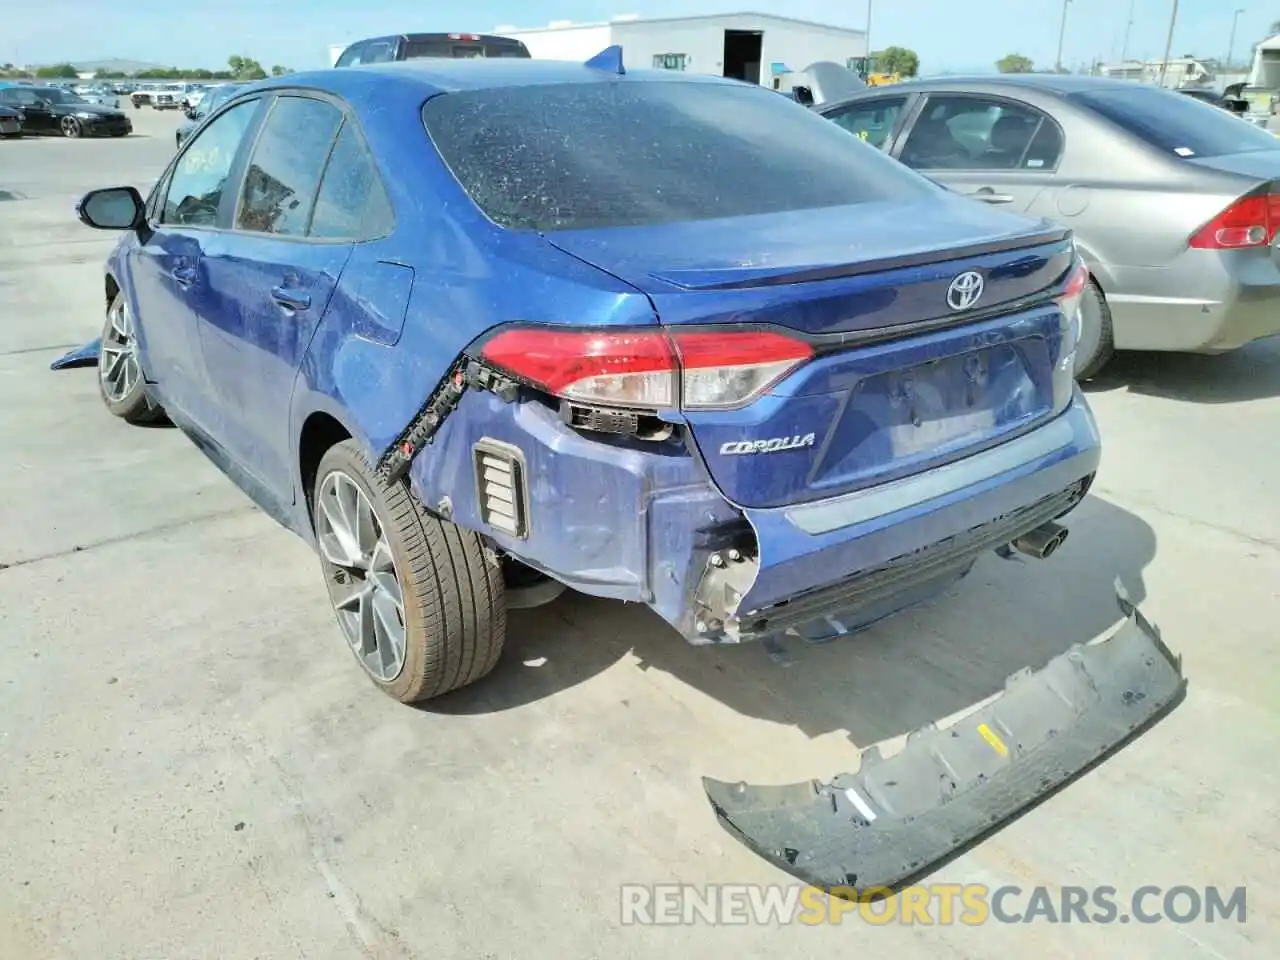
416 46
795 405
1175 205
57 110
10 122
169 96
1223 101
213 99
195 93
141 97
103 96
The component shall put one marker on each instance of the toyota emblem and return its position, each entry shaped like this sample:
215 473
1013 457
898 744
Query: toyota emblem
965 290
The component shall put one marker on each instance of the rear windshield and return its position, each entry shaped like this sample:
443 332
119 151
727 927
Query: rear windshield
461 49
1177 124
632 153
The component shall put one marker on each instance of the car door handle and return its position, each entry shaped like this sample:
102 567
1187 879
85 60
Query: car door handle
291 299
183 274
987 195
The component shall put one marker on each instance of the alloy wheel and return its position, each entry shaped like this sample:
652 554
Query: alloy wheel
70 127
118 361
361 575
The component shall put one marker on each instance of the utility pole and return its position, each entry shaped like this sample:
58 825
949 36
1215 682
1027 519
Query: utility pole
1062 35
1231 44
1168 43
1124 49
868 38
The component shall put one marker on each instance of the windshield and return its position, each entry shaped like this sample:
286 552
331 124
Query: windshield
1175 123
587 155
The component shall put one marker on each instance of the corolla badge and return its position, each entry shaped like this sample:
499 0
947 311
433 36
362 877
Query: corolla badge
965 290
772 445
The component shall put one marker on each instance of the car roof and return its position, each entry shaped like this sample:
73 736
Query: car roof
1059 83
1047 84
443 75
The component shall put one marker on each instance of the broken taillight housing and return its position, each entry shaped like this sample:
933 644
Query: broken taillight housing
1069 301
1073 293
649 369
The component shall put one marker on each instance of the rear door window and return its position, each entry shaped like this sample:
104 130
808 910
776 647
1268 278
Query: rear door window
981 133
284 171
612 154
1175 124
870 120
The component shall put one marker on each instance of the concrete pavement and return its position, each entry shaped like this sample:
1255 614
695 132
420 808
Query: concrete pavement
192 766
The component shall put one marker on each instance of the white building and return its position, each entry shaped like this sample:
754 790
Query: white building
1265 72
756 47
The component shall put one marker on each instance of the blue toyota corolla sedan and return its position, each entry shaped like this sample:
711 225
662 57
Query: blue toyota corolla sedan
481 330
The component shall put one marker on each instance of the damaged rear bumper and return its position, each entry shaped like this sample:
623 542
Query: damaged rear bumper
896 818
644 523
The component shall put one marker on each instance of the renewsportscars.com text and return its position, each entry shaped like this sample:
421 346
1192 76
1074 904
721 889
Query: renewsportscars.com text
935 904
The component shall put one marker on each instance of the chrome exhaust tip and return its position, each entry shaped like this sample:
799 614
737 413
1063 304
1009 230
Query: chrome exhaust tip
1042 542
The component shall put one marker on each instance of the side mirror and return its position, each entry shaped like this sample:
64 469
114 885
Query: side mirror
113 208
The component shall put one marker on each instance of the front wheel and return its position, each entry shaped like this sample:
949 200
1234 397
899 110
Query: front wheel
120 380
71 128
420 601
1096 345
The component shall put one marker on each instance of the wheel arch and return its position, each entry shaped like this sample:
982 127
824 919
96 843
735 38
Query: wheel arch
320 431
1098 271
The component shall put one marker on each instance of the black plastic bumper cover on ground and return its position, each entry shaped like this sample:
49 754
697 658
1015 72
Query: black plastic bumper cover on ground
900 816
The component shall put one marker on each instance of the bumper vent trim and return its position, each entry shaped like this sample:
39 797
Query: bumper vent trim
501 489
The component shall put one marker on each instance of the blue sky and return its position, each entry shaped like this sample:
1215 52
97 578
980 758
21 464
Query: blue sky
948 34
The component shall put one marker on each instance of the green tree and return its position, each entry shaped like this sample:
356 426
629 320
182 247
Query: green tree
63 71
279 71
900 60
1015 63
245 68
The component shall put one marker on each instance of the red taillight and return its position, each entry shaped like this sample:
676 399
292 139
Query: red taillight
1077 280
649 369
728 369
463 36
1249 222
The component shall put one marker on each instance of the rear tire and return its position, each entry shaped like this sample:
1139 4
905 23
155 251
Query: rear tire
120 380
1096 346
420 601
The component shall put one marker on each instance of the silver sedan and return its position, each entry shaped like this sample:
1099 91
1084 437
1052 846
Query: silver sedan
1175 203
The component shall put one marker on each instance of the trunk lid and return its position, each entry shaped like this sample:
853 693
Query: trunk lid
1260 165
901 381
